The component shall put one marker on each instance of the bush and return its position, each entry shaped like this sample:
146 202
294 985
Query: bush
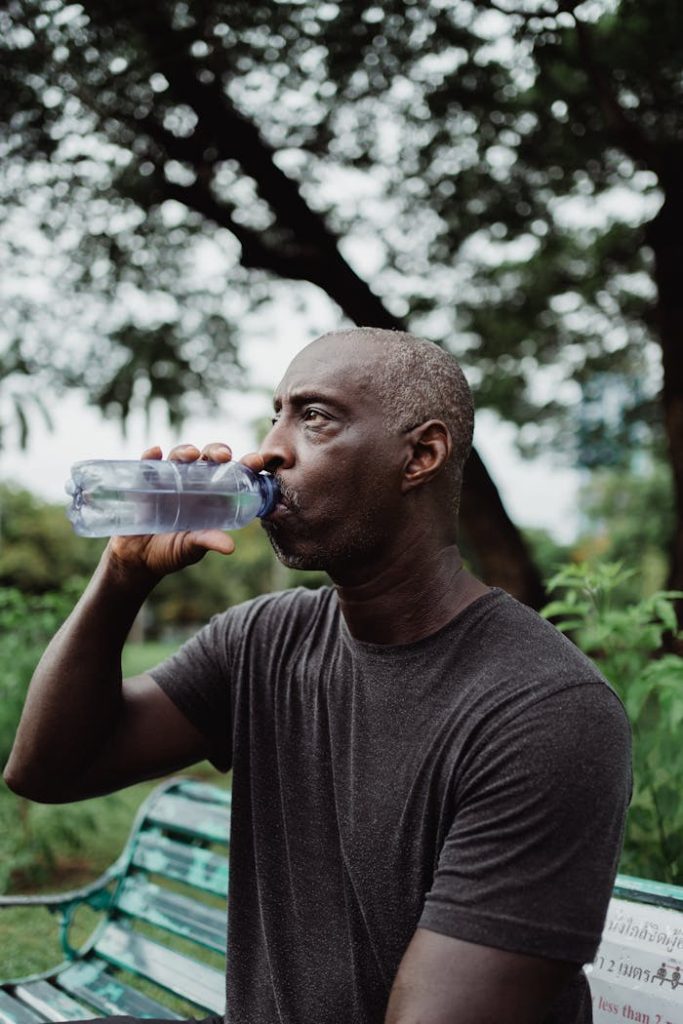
39 551
27 832
626 642
27 622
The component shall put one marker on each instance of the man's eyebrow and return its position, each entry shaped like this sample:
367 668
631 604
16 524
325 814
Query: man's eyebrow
300 398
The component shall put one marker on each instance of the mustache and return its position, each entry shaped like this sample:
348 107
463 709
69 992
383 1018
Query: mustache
288 496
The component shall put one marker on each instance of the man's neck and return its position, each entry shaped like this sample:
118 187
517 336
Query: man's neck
410 599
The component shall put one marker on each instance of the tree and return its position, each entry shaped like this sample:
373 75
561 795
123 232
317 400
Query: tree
39 552
436 144
628 518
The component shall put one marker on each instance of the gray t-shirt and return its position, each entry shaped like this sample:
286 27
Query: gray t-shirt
474 783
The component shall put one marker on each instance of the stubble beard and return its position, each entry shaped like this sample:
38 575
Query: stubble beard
354 544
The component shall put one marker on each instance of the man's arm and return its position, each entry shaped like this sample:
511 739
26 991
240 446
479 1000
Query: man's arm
84 730
529 861
443 980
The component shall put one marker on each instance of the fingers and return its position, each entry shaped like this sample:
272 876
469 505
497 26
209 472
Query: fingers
212 540
162 554
184 453
152 453
216 452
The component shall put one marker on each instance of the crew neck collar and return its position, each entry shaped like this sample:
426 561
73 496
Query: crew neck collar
476 607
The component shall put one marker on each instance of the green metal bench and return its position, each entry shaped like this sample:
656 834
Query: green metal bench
167 889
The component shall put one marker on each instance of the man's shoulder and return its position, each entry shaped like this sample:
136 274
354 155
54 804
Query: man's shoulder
516 657
523 635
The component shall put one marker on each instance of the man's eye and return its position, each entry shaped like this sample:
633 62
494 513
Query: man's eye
312 414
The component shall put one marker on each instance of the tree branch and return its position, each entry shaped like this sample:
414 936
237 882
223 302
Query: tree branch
287 261
633 141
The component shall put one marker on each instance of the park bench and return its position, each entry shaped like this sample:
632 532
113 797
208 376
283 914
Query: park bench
163 915
163 907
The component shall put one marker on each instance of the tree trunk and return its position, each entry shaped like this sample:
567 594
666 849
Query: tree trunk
501 551
665 235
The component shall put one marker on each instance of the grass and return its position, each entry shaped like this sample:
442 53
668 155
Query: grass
29 939
138 658
82 839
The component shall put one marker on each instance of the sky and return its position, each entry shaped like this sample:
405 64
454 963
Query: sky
537 493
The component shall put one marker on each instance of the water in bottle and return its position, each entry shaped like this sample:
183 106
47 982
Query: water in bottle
123 497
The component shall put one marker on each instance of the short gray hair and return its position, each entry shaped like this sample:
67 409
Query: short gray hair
421 381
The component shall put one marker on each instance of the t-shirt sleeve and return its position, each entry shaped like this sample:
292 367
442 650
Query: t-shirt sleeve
529 861
198 680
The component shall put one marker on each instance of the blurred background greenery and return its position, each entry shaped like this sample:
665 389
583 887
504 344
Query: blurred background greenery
178 180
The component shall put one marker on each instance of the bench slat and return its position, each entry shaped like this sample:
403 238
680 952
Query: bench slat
178 914
51 1003
645 890
14 1012
191 864
89 980
205 791
202 820
187 978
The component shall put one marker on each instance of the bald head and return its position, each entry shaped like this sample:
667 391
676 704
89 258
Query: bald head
414 381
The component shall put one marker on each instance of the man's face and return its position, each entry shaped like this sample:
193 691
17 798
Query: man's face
338 462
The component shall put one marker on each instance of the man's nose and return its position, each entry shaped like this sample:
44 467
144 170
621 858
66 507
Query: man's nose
276 450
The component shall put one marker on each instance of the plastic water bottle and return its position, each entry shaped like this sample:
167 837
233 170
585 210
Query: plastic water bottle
117 497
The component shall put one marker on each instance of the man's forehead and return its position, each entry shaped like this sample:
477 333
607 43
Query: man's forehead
337 368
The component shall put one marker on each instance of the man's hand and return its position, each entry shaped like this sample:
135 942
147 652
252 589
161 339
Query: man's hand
160 554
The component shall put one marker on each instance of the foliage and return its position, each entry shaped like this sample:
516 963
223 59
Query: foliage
548 553
27 833
625 639
139 657
27 623
39 551
628 517
171 147
175 160
32 837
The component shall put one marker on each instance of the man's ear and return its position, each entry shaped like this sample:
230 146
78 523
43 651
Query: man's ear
430 447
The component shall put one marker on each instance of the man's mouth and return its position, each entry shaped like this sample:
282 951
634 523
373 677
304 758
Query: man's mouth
287 498
286 504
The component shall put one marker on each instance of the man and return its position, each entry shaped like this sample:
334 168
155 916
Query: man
429 782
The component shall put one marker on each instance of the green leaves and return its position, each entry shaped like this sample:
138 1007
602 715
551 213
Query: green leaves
475 128
626 640
26 625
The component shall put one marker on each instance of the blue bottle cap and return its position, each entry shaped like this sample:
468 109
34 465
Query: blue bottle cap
270 492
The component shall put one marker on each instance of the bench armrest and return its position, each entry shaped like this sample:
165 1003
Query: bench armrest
95 895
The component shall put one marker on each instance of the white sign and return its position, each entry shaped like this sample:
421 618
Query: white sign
637 974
